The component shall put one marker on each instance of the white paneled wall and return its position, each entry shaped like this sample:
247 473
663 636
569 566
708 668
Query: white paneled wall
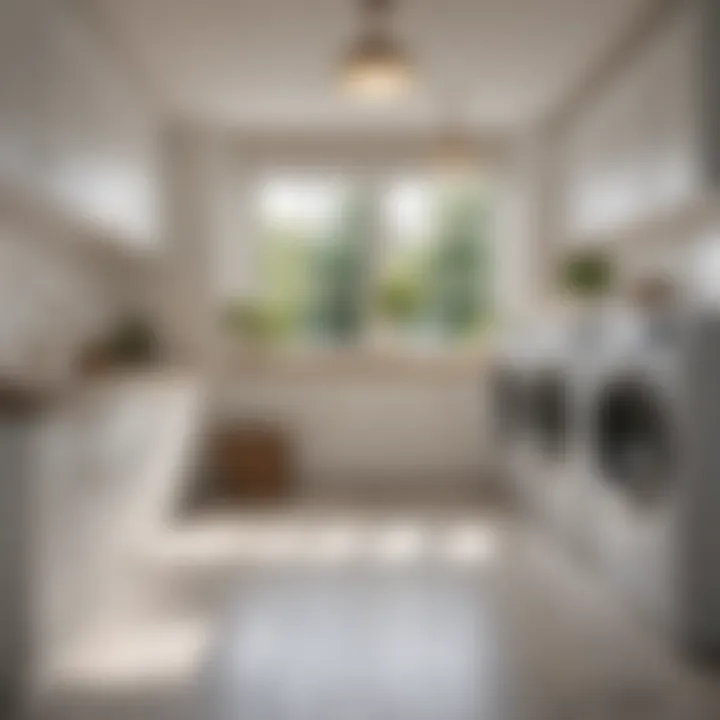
73 131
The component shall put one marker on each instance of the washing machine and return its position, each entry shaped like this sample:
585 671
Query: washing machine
509 403
564 390
532 419
600 340
550 440
655 491
507 414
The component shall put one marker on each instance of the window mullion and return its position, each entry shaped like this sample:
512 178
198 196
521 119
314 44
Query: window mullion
372 186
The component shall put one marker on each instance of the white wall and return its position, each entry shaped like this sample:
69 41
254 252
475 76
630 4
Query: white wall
354 426
527 217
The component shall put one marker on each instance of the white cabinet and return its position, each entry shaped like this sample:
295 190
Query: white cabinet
631 152
73 131
22 89
107 473
673 168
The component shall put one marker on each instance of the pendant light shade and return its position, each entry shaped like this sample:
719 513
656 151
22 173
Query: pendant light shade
376 68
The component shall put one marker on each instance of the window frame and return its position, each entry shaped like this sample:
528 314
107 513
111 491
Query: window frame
375 181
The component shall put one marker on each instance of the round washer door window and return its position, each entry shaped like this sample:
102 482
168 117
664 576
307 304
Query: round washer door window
550 412
508 399
635 439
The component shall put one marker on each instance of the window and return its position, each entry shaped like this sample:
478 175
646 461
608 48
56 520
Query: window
314 236
407 261
434 281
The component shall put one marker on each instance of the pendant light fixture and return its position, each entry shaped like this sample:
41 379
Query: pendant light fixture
376 68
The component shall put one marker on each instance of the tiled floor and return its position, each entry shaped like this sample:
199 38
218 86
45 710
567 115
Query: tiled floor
448 615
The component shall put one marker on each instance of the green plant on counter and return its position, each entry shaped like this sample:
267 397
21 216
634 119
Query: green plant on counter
251 321
400 297
133 341
587 275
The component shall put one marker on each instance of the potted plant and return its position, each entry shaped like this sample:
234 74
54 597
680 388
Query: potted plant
130 341
398 301
587 278
133 341
250 322
587 275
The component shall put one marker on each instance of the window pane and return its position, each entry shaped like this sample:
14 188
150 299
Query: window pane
415 259
337 271
313 233
435 270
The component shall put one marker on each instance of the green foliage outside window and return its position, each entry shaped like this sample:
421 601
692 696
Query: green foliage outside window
440 289
458 267
318 277
338 271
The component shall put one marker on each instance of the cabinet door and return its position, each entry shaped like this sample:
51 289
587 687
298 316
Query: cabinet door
674 171
632 152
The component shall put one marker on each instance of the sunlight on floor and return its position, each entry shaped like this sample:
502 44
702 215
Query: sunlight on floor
392 542
169 648
138 655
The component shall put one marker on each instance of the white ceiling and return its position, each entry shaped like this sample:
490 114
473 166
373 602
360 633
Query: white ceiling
259 64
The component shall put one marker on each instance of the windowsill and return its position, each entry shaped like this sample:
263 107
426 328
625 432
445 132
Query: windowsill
363 362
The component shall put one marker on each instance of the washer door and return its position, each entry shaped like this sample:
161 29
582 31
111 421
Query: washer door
549 412
635 438
508 404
